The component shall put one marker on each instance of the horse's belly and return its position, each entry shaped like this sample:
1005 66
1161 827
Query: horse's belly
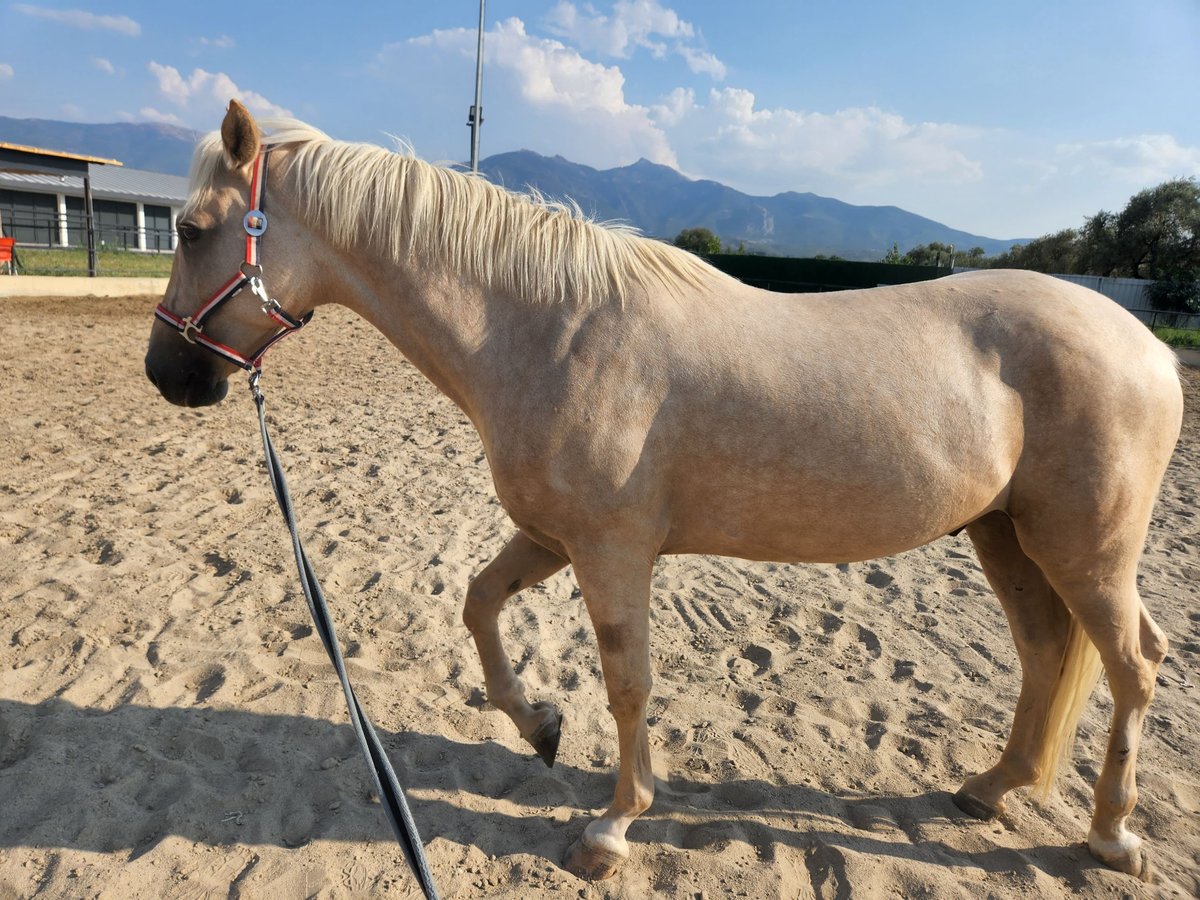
820 542
810 519
856 463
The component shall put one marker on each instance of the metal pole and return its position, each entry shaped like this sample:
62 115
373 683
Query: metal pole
90 219
475 116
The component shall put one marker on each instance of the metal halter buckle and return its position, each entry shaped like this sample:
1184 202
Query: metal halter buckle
190 330
256 285
269 304
255 222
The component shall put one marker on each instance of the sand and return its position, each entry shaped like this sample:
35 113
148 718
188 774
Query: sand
169 726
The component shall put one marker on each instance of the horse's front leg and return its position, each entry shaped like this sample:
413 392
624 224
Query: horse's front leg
521 564
616 589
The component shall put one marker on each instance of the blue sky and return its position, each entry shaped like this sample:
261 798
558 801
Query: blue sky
1005 119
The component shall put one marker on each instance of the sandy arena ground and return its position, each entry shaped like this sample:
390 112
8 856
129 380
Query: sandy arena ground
170 728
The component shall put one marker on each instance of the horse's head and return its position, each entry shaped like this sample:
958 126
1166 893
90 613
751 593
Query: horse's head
215 316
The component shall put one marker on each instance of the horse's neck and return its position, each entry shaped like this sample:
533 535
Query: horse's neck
440 321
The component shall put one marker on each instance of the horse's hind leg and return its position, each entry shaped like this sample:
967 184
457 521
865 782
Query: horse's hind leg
521 564
1090 571
1040 624
1136 654
1132 647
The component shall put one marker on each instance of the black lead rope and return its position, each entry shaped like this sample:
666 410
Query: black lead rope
391 794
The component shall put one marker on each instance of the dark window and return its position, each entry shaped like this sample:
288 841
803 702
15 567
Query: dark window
76 232
158 227
33 219
30 218
116 224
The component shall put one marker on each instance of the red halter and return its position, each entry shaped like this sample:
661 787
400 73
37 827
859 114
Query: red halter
192 327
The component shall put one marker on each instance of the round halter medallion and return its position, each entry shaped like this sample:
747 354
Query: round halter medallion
255 222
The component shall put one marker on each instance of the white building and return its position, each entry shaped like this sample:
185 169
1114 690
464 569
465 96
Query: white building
134 209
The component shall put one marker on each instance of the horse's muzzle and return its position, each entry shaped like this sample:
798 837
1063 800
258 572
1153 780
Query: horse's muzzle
185 374
187 386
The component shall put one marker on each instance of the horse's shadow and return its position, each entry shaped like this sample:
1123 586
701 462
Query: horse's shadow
120 781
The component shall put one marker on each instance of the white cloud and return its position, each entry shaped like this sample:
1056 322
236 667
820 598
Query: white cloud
583 101
221 42
630 26
205 95
546 94
99 62
633 24
702 62
6 71
733 140
171 83
78 18
150 114
1145 159
674 107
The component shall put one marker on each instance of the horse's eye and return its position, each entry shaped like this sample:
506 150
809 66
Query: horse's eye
187 231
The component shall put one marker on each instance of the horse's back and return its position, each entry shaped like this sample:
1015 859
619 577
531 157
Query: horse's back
1050 340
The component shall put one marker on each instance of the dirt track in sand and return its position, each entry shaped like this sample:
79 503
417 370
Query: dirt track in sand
170 728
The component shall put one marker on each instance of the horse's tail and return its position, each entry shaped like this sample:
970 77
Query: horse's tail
1077 676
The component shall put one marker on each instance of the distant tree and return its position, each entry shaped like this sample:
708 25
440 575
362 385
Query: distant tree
1157 234
934 253
975 258
1176 293
700 241
1056 254
1098 253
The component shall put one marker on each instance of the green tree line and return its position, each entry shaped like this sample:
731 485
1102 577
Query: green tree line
1156 236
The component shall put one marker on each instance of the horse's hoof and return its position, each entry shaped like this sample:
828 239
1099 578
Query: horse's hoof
545 739
975 807
592 863
1132 859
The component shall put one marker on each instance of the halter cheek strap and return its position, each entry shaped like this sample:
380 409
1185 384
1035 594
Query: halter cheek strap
249 274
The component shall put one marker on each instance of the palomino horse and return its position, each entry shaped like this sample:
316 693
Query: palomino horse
633 402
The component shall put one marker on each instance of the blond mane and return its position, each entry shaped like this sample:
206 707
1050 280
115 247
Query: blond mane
522 244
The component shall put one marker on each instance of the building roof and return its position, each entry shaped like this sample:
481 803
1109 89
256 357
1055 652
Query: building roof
107 184
60 154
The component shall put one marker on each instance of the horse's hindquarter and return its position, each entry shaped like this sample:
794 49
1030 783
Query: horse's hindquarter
835 427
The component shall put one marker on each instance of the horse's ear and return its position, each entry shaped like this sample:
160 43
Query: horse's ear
239 134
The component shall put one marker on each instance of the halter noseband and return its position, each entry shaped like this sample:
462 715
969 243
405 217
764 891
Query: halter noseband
249 273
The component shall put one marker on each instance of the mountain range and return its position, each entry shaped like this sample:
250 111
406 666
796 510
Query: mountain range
149 146
662 202
654 198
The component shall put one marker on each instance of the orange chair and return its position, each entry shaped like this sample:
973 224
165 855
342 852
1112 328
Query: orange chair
6 255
